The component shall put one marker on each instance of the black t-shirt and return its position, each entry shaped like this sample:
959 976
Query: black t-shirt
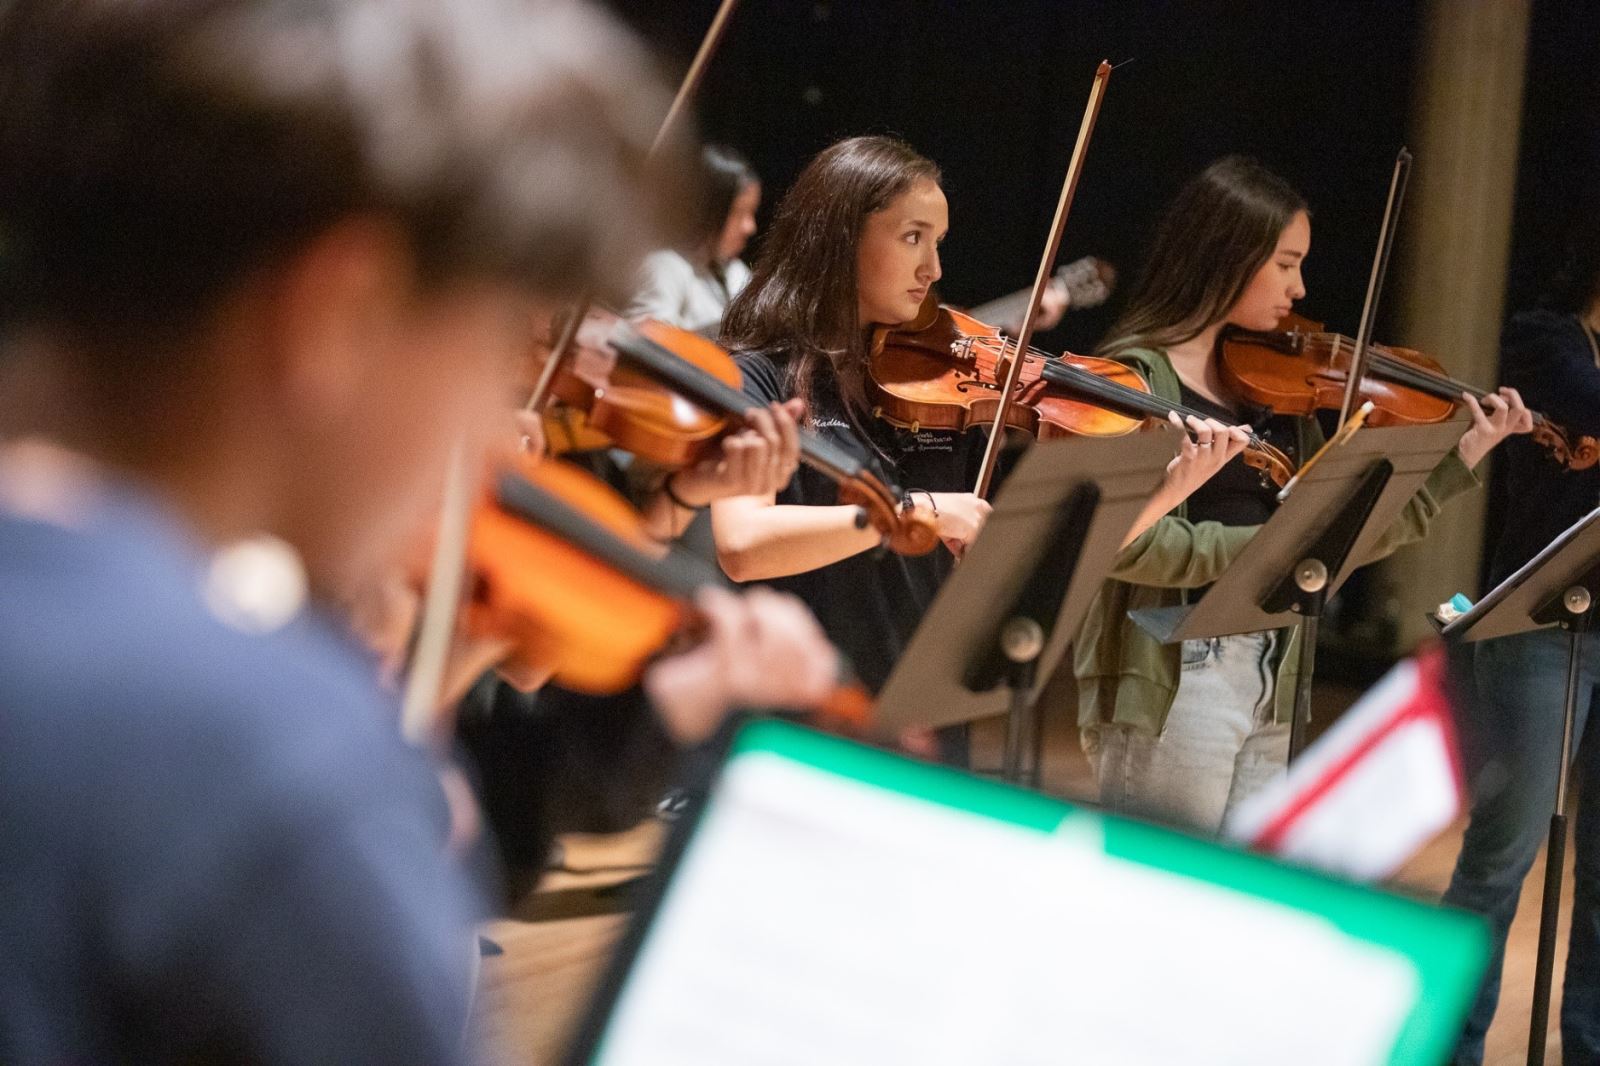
870 603
1240 495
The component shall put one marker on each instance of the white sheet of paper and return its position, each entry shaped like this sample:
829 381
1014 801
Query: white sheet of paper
817 919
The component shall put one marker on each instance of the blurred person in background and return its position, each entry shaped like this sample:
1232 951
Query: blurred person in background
690 286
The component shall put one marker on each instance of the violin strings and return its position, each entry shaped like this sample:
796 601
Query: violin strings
1116 396
1404 373
1067 375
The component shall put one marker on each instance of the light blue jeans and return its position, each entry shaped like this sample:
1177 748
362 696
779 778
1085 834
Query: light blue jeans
1219 746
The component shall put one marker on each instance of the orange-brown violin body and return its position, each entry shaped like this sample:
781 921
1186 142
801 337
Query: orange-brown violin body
603 403
1299 369
945 370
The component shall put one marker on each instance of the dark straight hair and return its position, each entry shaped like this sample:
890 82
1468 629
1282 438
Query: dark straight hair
802 303
724 174
1220 229
155 154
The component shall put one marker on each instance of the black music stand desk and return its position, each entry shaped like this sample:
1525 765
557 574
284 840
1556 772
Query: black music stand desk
1001 623
1315 540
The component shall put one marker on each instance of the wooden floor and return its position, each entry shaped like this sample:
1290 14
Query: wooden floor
533 993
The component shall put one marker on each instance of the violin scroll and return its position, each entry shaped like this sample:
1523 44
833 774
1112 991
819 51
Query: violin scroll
1270 461
1579 455
905 531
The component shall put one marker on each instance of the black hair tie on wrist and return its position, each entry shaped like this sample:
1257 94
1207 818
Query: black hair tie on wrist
666 487
908 504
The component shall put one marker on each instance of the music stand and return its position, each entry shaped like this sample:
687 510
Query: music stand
1001 623
1559 586
1305 551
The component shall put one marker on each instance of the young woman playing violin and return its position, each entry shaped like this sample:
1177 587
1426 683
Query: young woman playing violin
1185 733
855 245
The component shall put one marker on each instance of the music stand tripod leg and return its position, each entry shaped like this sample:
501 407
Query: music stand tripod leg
1576 602
1308 666
1021 642
1305 589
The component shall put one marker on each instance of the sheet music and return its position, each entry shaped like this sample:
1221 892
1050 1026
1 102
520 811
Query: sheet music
818 919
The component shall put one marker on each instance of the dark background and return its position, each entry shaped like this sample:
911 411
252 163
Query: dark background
993 90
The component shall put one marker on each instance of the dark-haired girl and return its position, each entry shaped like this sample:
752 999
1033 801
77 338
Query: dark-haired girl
1512 736
855 245
691 287
1184 733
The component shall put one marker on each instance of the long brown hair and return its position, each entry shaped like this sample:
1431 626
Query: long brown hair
801 303
1223 225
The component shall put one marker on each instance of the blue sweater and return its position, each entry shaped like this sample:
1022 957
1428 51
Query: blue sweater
215 846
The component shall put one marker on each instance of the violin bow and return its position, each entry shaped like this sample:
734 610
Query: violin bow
430 654
1047 262
1380 267
680 104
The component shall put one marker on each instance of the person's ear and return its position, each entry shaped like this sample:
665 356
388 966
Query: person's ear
339 307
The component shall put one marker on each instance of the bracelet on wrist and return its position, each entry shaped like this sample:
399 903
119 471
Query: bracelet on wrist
677 501
909 504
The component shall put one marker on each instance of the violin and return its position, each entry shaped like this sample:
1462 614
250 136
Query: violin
945 369
668 396
561 567
1299 368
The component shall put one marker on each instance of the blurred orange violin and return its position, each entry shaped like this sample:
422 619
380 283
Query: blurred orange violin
560 567
668 395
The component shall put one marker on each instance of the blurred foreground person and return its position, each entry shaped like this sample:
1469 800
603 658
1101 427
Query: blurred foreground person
263 263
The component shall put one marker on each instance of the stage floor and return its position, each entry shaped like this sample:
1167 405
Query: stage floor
534 993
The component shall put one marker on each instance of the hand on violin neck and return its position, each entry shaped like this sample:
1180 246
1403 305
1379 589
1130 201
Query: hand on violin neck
1500 415
1206 447
759 460
761 649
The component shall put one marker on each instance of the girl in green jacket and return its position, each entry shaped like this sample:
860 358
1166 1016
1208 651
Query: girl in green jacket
1185 732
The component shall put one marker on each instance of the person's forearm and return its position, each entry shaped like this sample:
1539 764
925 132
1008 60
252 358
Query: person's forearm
785 539
663 519
1158 505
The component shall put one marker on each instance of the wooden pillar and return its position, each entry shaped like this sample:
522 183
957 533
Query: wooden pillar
1450 271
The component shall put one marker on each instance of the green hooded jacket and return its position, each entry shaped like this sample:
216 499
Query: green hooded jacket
1123 675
